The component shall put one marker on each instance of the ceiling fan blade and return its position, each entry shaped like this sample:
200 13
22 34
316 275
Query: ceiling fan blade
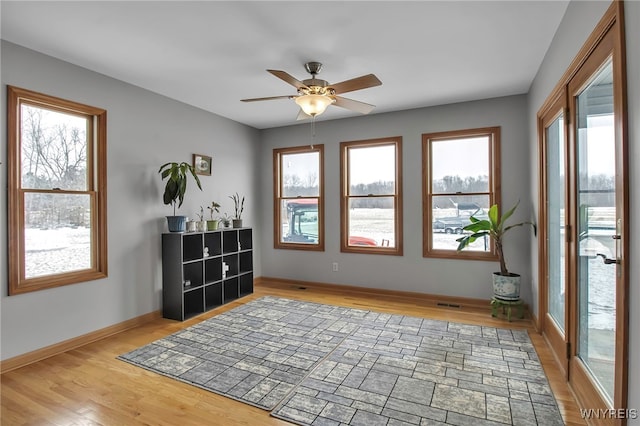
357 83
302 115
357 106
268 98
285 76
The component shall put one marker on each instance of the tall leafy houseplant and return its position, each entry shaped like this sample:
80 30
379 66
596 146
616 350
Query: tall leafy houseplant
176 175
506 284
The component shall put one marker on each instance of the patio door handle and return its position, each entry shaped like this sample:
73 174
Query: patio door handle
606 260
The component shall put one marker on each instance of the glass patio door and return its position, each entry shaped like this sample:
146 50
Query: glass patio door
584 232
556 223
597 330
596 228
553 230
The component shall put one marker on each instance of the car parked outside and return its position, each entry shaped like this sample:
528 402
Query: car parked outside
455 224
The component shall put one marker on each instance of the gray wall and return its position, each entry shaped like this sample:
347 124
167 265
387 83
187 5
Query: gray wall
144 131
578 22
410 272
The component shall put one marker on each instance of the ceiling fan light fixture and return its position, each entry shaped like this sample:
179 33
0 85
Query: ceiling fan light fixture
314 104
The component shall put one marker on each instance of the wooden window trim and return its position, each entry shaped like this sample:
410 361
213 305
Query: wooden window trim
494 189
277 189
344 197
96 189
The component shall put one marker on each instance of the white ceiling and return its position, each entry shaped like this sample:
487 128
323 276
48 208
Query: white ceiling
211 54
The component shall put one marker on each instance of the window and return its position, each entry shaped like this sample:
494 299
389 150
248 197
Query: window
57 191
299 198
461 176
371 196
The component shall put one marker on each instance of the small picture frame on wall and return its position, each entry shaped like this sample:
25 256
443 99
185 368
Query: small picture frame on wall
202 164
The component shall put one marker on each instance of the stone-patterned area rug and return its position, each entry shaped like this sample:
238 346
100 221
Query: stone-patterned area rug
328 365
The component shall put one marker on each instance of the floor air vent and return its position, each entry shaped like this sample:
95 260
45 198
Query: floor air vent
448 305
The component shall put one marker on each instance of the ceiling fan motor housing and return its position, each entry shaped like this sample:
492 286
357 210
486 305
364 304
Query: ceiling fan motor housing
315 86
313 68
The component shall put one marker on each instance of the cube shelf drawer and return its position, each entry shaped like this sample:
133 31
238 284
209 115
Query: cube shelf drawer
203 270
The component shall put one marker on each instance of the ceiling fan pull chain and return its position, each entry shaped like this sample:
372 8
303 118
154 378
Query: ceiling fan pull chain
313 130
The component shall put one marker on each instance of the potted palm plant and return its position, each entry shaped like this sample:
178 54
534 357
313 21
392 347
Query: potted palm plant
176 175
238 209
506 285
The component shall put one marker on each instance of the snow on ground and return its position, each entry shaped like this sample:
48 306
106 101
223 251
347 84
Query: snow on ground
66 249
51 251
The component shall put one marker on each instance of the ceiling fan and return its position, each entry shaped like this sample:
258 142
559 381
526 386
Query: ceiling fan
315 95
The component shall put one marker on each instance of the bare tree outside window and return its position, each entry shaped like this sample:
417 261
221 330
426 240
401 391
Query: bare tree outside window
54 149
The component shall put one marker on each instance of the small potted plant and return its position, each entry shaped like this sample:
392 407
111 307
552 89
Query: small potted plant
238 209
176 175
201 224
212 224
506 285
225 219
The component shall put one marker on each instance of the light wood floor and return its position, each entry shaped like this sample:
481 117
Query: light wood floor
89 386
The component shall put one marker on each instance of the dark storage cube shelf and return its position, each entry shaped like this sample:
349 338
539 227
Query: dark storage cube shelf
193 276
245 239
230 261
193 303
246 284
230 242
212 270
231 290
212 241
192 247
192 273
213 296
246 262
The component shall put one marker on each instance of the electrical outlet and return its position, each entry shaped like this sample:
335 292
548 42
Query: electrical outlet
335 266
